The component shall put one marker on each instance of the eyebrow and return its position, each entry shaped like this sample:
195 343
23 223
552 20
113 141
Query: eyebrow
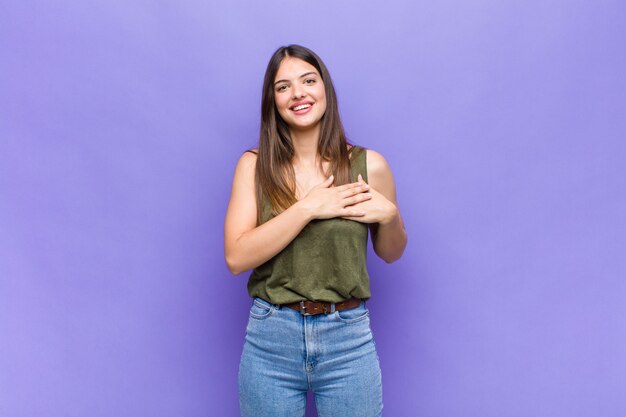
303 75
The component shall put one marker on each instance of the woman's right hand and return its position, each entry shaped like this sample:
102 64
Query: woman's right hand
325 202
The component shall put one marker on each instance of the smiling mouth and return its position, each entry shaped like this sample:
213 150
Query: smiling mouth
301 107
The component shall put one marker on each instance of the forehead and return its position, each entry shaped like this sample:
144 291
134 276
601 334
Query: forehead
291 68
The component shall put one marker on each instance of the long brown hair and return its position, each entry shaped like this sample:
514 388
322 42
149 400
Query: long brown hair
275 176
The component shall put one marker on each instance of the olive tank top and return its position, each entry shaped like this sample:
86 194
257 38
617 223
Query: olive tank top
325 262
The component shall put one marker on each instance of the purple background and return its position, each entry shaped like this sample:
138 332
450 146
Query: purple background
120 127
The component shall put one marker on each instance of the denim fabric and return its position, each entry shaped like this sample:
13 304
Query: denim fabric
286 353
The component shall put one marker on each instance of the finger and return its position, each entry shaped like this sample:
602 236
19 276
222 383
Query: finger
356 199
357 189
349 212
360 219
348 186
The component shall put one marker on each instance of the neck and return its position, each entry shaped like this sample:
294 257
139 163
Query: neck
305 146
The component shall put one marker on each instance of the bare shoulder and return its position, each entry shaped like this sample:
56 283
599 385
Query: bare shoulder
379 174
243 180
249 156
377 167
246 164
242 207
376 161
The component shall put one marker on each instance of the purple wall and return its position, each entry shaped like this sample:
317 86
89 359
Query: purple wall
120 126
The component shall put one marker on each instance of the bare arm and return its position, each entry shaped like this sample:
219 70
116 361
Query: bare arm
247 245
381 211
388 236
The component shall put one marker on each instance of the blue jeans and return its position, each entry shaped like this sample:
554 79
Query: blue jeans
285 354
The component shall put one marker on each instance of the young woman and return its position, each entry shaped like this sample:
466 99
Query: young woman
299 214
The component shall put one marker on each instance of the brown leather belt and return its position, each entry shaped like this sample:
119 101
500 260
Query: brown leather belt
311 308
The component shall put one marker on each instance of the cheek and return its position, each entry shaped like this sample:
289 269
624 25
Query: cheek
281 106
322 104
280 103
322 98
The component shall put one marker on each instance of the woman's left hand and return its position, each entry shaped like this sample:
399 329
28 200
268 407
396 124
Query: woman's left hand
378 209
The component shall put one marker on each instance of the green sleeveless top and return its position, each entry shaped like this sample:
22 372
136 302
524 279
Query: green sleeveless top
325 262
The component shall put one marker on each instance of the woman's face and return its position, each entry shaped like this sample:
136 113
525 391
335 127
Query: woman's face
299 94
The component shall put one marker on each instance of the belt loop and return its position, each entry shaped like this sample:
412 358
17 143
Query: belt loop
332 308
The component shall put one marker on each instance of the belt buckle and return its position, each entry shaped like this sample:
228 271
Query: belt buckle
305 313
303 309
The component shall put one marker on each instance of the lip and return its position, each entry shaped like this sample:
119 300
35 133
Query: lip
302 111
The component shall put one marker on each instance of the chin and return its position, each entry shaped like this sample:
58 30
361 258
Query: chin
304 127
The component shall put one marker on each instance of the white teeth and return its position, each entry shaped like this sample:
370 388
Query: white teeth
302 106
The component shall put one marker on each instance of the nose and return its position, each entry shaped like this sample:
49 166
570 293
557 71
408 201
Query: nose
297 91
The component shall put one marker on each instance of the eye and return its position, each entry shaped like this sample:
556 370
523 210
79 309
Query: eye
281 88
310 81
